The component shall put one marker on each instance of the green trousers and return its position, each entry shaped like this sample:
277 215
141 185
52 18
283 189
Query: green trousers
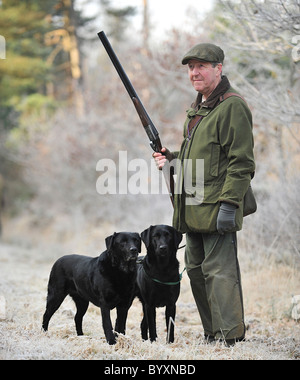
213 268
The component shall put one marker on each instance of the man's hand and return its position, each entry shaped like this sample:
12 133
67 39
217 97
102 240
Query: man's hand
161 158
226 218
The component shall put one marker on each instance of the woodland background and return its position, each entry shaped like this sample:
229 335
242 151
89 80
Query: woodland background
63 108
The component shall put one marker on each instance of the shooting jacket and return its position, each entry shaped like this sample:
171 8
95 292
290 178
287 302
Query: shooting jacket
223 140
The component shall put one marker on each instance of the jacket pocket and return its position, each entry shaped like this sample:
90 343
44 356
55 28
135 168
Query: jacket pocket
214 161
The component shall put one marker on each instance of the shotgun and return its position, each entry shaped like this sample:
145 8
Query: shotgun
147 123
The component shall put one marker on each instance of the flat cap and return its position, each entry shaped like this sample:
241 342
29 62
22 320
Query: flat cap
204 52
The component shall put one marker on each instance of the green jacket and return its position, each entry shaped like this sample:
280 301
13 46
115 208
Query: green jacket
224 141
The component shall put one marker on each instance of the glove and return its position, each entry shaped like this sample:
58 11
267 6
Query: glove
226 218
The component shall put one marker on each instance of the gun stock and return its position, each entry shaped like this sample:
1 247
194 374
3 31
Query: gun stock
149 127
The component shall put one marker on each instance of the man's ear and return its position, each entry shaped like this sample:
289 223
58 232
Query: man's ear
146 235
109 241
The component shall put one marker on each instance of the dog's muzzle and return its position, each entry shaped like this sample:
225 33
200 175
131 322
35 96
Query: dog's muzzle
132 256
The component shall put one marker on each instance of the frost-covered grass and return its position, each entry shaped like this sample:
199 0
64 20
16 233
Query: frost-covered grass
271 334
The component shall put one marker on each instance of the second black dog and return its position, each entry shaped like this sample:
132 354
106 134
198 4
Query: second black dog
108 281
158 279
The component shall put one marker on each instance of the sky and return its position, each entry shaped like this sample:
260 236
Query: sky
164 14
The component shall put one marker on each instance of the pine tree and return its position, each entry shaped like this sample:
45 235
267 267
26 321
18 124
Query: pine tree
117 19
43 59
25 70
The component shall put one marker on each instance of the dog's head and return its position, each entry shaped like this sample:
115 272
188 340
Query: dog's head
123 249
162 242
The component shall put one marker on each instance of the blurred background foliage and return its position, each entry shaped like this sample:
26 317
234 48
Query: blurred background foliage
63 108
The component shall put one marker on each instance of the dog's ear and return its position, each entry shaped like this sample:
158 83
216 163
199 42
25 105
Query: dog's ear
177 238
109 241
139 247
146 235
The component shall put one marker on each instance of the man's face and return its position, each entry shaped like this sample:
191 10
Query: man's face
203 76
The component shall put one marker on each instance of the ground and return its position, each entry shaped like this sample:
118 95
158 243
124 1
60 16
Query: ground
268 289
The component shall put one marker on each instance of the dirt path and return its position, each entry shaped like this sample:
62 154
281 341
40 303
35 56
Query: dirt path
272 333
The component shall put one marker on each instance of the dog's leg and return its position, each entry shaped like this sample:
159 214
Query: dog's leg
170 320
144 324
107 326
81 305
54 300
151 320
120 325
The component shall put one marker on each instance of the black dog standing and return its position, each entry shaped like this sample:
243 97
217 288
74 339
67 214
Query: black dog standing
108 281
158 278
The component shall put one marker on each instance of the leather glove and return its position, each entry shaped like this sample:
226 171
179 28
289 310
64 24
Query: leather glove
226 218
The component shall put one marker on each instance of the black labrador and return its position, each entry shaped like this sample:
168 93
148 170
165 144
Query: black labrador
108 281
158 279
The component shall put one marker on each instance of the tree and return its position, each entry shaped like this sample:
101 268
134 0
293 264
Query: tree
66 56
259 39
43 58
145 26
25 70
117 19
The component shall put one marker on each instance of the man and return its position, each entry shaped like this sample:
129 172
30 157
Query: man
218 130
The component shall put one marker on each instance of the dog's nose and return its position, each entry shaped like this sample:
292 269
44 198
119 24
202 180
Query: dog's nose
163 248
133 250
132 255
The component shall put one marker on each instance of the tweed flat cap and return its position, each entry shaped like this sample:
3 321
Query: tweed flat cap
204 52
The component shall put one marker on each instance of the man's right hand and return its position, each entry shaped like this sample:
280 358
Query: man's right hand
226 218
161 158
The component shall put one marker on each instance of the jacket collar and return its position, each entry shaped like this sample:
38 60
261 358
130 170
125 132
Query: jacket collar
214 98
